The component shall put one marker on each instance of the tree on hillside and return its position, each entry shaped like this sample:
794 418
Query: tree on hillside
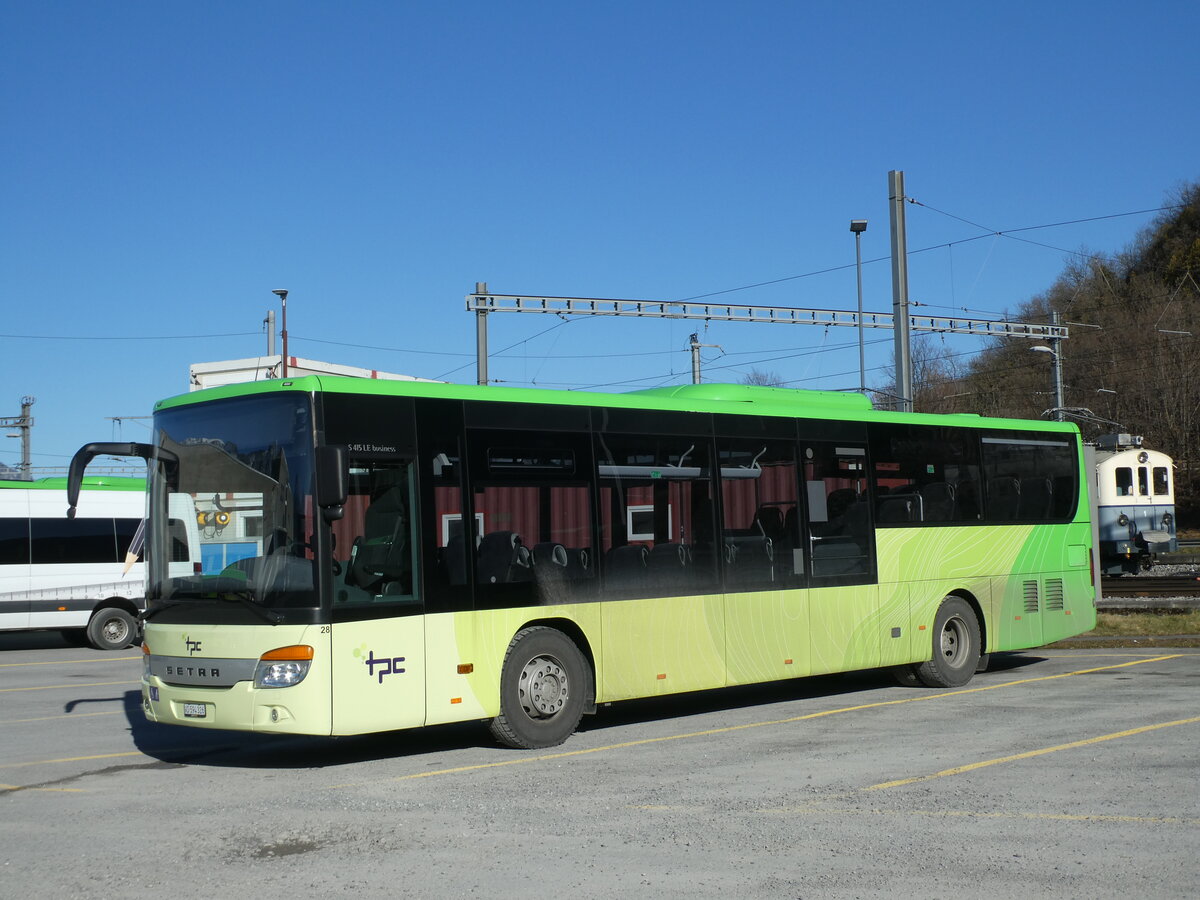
766 379
937 379
1133 355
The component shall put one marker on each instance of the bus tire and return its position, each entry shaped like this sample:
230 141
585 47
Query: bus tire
544 687
956 646
111 628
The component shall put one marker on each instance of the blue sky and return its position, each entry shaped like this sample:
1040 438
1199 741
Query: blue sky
167 165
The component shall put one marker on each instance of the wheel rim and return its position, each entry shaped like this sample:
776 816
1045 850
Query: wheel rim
956 641
115 630
543 687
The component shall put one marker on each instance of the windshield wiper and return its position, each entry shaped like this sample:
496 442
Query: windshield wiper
243 597
231 591
152 611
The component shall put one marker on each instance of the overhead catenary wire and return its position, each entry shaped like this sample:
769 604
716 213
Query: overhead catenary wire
1008 232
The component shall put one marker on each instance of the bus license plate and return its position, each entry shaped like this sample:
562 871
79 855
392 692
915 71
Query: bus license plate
195 710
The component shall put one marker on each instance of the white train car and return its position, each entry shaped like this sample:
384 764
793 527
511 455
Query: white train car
1135 494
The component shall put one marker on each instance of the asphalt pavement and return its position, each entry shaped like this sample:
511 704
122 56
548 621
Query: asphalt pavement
1056 773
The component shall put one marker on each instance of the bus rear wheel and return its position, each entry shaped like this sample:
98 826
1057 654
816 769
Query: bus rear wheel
111 628
544 688
956 646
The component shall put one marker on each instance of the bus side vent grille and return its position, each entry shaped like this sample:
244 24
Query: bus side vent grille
1031 596
1054 594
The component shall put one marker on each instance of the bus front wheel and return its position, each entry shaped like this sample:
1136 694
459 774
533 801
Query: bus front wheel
111 628
544 687
956 646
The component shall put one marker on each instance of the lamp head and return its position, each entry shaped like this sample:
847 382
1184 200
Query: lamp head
282 295
858 226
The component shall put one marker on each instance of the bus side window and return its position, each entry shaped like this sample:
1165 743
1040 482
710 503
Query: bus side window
839 514
1029 478
657 531
374 543
533 512
760 527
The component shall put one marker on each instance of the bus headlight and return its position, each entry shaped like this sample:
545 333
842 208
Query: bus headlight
283 667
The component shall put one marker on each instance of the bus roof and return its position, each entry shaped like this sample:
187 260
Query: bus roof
730 399
90 483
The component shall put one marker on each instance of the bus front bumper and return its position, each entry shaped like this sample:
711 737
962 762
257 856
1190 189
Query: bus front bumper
241 707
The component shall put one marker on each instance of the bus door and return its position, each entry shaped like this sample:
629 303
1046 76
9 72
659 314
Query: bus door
763 560
839 539
377 613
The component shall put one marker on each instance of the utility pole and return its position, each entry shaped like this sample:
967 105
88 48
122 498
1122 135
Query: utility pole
269 321
694 341
858 226
481 351
1056 346
1055 351
282 295
903 341
24 425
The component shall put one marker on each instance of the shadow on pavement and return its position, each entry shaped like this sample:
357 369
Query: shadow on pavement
197 746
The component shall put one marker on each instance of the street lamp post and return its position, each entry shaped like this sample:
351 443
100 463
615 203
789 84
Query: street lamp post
1055 354
282 295
1058 379
858 226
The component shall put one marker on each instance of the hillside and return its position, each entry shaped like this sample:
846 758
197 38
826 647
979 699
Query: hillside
1131 363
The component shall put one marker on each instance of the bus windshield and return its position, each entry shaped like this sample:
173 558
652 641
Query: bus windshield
245 466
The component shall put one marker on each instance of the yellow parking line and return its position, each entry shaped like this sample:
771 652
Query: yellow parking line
19 787
1091 655
732 728
819 809
66 759
971 767
111 712
55 687
69 662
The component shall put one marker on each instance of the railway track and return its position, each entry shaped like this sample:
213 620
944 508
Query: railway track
1151 586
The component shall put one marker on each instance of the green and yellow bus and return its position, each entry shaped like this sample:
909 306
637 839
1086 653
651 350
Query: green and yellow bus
422 553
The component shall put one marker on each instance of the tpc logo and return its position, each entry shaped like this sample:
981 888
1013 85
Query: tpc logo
387 665
193 647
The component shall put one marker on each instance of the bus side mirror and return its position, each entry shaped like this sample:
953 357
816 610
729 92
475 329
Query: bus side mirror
333 481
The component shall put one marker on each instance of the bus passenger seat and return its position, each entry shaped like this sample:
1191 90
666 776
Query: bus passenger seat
966 498
1035 498
579 563
549 553
791 527
453 560
898 508
769 522
501 558
625 566
549 562
749 560
938 501
1003 498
